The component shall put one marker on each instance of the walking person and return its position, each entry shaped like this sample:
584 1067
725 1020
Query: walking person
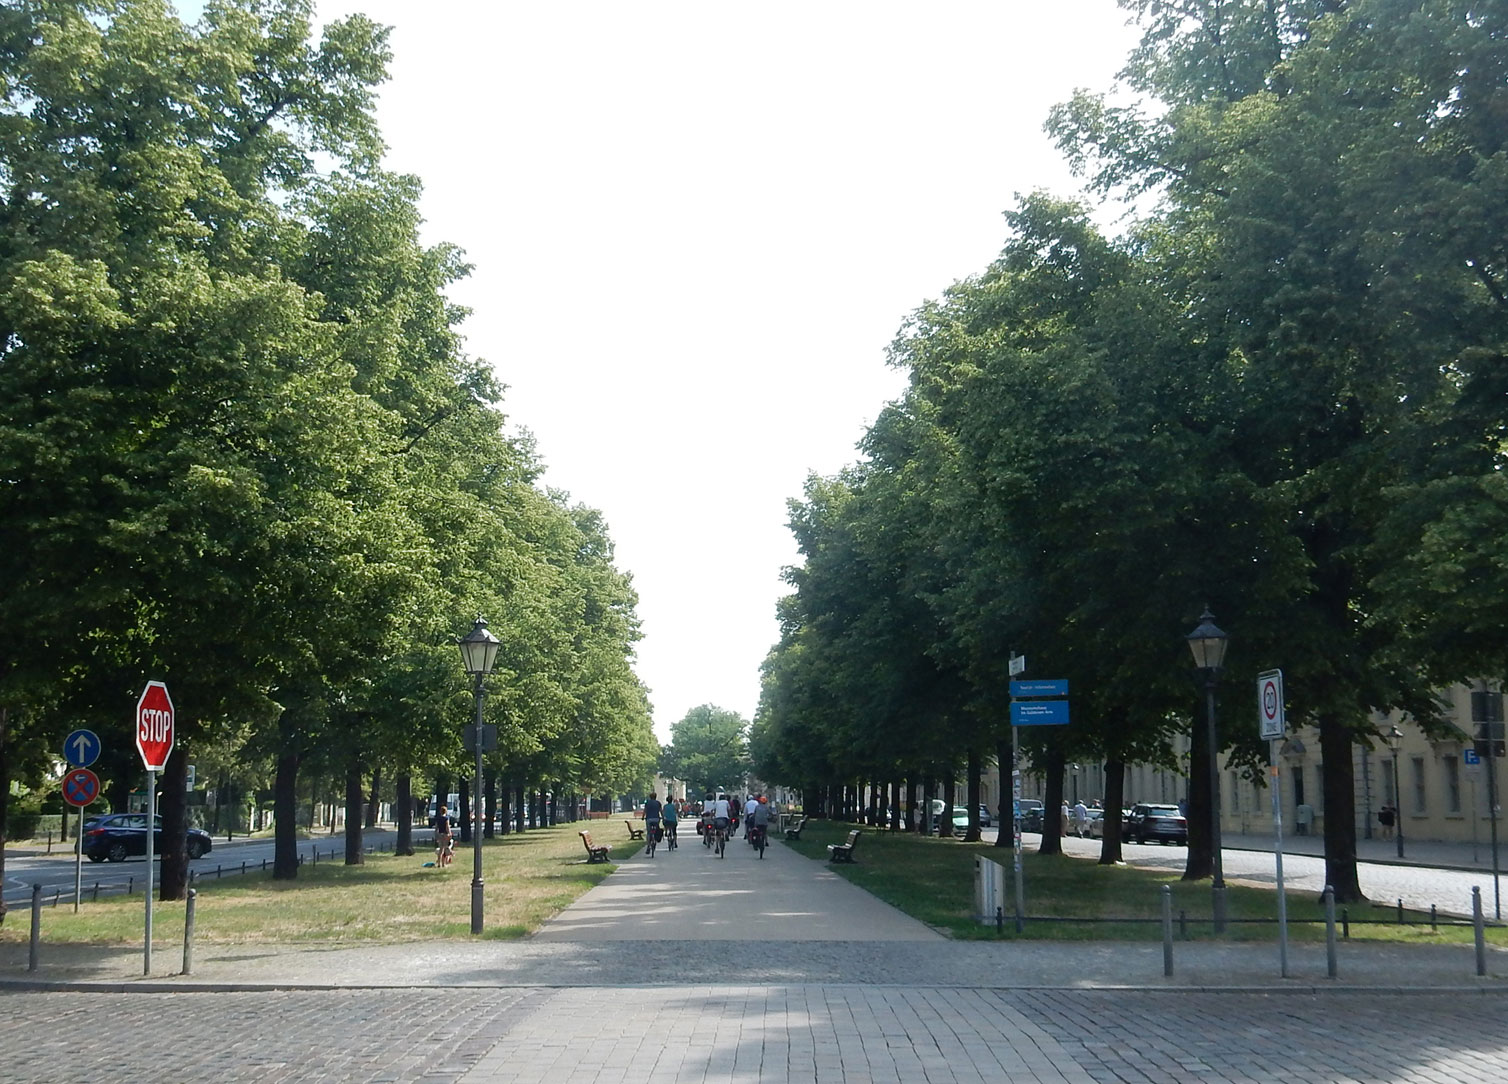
1303 816
1385 817
1081 819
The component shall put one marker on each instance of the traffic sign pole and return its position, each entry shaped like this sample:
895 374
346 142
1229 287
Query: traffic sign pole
146 959
1272 716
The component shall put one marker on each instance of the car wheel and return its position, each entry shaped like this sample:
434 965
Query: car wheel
95 856
196 849
117 852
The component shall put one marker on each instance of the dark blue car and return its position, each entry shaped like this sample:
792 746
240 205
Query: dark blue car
121 835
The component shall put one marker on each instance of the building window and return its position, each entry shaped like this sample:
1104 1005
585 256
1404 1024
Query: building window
1416 779
1452 767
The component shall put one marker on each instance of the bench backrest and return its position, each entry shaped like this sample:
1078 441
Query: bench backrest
586 837
853 838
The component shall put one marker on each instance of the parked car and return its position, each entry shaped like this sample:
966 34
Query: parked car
960 820
1163 823
985 820
1096 829
121 835
1031 814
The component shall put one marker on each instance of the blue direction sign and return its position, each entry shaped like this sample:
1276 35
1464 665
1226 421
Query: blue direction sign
81 748
1045 687
1039 713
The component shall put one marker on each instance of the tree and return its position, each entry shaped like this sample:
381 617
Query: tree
708 749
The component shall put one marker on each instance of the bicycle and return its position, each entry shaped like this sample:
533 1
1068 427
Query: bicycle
758 837
651 839
722 842
670 843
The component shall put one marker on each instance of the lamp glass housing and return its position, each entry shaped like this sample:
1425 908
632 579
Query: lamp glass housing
1208 643
479 649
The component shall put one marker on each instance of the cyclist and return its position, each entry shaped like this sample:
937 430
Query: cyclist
670 817
652 810
721 817
748 811
709 815
759 824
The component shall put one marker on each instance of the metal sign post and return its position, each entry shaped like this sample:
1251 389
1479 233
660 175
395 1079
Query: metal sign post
1271 712
154 741
80 787
1018 666
146 959
1030 713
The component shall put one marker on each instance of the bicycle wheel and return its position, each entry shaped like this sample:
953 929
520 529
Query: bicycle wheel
760 844
722 845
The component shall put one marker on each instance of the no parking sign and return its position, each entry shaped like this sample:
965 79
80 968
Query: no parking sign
1270 704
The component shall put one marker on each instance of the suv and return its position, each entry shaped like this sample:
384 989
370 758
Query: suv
1163 823
1031 814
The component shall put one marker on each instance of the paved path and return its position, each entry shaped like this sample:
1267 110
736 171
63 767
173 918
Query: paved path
652 976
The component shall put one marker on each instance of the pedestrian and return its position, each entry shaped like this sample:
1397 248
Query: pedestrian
1063 815
1385 818
1303 817
1081 819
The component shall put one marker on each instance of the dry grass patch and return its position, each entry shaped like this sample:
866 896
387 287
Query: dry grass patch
389 899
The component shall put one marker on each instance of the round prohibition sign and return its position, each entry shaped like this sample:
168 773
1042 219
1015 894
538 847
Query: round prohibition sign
80 787
1270 700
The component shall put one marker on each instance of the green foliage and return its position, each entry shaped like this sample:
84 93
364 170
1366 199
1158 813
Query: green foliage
708 750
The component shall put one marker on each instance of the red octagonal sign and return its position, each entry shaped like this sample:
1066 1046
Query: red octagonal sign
154 725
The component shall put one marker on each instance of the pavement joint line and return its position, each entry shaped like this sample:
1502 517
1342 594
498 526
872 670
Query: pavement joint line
164 986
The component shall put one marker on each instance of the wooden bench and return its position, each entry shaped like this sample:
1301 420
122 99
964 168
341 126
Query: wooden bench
594 852
843 852
634 833
794 830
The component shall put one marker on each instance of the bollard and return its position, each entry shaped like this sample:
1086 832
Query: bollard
1400 911
188 932
243 868
218 871
130 885
1167 931
96 893
999 920
36 926
1480 928
1330 961
1183 925
1432 926
1345 923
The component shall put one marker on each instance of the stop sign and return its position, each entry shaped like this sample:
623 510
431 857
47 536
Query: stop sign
154 725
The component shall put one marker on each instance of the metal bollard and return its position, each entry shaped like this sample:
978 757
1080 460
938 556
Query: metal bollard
36 926
1167 931
131 885
1480 927
1400 911
999 920
96 893
188 931
1331 966
1345 923
1183 925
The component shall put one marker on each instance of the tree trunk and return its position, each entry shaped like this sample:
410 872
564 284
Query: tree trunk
1201 855
354 857
463 812
1115 794
973 835
910 807
1339 789
173 808
404 799
285 817
375 801
489 802
1052 803
928 790
950 796
4 796
519 808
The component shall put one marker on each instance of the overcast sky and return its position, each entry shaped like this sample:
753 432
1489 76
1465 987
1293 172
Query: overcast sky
695 229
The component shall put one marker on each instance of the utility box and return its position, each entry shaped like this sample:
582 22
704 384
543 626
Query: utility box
989 890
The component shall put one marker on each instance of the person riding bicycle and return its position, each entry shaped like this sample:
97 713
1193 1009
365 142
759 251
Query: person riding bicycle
721 815
759 821
670 816
652 810
748 811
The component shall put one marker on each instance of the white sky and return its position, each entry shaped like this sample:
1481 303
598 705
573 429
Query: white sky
695 229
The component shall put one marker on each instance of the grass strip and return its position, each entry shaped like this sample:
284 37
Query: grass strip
387 899
1077 899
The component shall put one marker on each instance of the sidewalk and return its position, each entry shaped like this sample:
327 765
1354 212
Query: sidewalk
1430 854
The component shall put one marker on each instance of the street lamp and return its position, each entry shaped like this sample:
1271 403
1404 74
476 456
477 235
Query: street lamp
478 653
1395 743
1208 644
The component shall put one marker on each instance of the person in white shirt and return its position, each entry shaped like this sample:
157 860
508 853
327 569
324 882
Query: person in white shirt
1081 819
749 807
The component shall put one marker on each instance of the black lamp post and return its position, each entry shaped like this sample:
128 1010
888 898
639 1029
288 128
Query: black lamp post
1395 743
478 653
1208 645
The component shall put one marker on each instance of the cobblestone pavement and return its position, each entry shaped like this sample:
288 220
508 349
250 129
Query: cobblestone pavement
752 1034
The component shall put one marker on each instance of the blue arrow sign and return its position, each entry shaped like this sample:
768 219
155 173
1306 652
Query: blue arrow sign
81 748
1039 712
1045 687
